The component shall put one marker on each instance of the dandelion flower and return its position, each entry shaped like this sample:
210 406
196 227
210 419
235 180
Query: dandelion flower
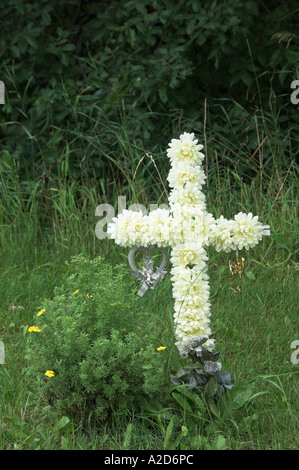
50 373
41 312
34 328
161 348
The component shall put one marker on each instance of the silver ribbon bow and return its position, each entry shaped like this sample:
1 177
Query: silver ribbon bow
147 275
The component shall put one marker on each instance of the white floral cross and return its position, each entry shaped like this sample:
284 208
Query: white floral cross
187 228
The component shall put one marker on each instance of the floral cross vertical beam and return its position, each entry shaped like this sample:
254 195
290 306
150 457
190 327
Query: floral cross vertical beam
188 228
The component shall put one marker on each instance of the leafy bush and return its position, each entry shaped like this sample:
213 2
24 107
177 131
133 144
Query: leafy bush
89 347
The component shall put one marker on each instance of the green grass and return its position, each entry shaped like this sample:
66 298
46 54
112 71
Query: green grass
254 331
43 225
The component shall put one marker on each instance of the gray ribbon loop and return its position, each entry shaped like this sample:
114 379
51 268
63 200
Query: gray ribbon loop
147 275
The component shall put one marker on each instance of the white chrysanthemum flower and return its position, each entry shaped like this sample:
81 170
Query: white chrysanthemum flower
185 149
189 273
191 318
159 227
190 194
182 174
191 223
188 253
176 233
184 334
208 225
181 225
204 226
190 329
191 321
200 303
221 236
246 231
190 282
128 228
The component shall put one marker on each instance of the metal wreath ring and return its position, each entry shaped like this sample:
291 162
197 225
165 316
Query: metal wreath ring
147 250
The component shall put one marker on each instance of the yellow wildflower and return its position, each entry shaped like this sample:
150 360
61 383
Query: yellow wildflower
41 312
50 373
76 292
34 328
161 348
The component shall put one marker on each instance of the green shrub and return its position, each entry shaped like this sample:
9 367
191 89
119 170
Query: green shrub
92 337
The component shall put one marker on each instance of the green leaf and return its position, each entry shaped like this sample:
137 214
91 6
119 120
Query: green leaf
68 47
184 431
32 42
131 36
214 408
239 395
198 402
211 387
141 27
182 402
64 443
163 94
46 18
246 78
127 437
64 59
194 365
276 57
196 5
200 39
250 275
15 52
219 443
248 421
168 433
234 20
63 423
191 26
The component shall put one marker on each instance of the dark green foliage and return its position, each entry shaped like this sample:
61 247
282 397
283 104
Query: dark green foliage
90 338
71 64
